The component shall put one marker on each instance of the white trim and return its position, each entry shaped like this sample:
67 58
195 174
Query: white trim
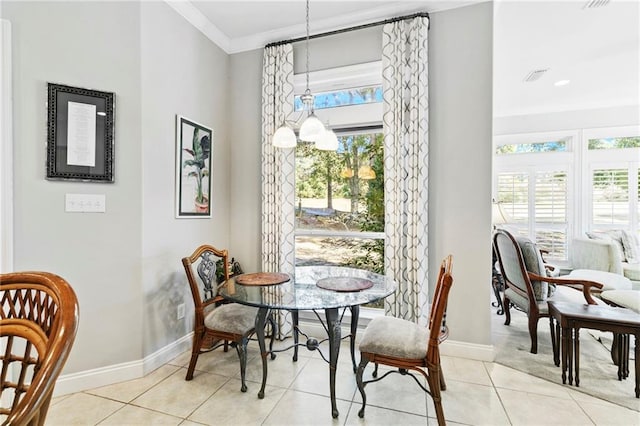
339 234
193 15
103 376
339 78
6 149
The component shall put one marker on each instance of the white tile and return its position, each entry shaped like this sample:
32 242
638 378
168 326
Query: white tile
179 397
129 390
534 409
465 370
301 408
469 403
604 414
131 415
314 378
396 392
81 409
216 410
281 372
508 378
382 416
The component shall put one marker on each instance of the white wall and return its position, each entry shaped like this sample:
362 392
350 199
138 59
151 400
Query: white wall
182 73
460 68
124 264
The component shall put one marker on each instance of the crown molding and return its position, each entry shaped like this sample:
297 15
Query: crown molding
189 12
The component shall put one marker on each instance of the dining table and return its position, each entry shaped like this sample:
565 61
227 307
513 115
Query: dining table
331 289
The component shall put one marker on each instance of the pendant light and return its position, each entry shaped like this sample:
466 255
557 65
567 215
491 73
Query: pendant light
312 129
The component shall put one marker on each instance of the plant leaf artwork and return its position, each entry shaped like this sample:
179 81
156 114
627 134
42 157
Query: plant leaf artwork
193 168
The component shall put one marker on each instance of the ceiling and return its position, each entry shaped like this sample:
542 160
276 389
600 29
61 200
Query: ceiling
597 49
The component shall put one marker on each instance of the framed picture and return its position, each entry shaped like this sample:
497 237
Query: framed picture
80 131
194 144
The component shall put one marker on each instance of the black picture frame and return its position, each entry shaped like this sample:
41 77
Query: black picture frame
92 158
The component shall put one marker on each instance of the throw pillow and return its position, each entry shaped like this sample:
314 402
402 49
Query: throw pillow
630 246
614 236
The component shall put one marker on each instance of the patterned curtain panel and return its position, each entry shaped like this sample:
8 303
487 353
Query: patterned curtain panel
406 152
278 172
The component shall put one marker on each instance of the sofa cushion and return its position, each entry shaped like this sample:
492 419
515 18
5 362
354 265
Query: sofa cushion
631 271
609 281
614 236
630 246
625 298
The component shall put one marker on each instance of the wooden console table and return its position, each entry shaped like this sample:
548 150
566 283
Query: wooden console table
565 335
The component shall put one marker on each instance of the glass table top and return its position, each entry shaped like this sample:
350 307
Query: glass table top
302 293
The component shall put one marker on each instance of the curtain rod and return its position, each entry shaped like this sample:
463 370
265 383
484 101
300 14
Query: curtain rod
348 29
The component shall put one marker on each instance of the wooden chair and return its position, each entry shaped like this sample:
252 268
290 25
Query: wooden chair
38 324
216 324
408 346
527 285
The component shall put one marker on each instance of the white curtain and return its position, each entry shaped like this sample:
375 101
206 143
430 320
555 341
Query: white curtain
278 173
406 159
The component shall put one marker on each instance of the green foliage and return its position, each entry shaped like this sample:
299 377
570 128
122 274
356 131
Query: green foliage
615 143
200 151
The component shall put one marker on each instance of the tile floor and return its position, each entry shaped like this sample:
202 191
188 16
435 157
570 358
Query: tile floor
478 393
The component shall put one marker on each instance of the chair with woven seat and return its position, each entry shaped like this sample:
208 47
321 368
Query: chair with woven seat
529 288
404 345
216 324
38 324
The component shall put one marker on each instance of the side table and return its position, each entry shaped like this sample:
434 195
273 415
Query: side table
565 334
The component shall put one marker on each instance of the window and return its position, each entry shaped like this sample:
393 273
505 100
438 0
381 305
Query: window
340 195
532 183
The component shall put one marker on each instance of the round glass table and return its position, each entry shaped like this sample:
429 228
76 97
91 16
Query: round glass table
328 288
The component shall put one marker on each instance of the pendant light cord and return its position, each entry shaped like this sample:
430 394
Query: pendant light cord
307 46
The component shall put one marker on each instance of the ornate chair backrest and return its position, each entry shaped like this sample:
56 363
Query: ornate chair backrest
437 325
512 264
38 324
201 269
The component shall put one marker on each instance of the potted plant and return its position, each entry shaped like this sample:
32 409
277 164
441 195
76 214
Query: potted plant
200 151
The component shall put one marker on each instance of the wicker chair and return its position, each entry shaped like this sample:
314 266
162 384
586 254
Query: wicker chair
216 323
408 346
38 324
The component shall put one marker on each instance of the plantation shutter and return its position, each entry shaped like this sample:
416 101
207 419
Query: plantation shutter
610 195
513 193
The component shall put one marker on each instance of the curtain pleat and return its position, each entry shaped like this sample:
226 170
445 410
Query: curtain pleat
278 174
406 158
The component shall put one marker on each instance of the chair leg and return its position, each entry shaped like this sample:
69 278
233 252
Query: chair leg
434 382
533 332
506 303
241 348
195 352
359 372
443 385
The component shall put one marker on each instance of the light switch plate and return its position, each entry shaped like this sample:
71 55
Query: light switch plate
85 203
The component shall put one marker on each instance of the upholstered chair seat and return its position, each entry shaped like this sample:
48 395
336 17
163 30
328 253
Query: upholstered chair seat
232 318
395 337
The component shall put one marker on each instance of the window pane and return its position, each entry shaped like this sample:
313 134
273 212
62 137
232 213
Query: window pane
615 143
357 96
552 241
513 193
358 253
611 197
551 197
343 190
521 148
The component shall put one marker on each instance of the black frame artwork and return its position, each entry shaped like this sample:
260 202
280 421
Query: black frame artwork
80 134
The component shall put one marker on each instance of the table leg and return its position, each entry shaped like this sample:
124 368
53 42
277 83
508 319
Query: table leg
261 320
565 343
627 342
576 354
554 342
637 357
618 347
294 318
355 314
334 332
570 354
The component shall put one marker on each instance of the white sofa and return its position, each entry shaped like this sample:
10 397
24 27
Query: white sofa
603 255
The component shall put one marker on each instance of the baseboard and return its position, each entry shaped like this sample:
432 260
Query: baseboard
449 347
90 379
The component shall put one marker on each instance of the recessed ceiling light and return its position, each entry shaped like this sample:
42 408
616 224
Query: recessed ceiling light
561 83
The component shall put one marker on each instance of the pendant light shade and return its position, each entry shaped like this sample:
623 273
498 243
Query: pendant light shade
366 172
312 129
284 137
328 141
